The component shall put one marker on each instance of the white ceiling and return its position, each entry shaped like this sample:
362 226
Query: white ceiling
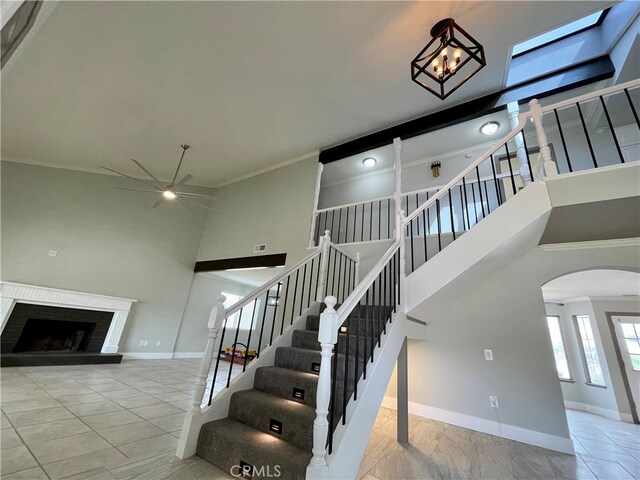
247 84
592 283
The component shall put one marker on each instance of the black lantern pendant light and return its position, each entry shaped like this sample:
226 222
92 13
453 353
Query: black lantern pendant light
439 66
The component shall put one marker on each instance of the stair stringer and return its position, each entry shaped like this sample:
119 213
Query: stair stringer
219 408
350 440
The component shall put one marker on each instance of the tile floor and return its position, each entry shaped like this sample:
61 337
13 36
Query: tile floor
122 422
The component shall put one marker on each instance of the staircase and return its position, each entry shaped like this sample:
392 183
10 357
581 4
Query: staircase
272 424
305 406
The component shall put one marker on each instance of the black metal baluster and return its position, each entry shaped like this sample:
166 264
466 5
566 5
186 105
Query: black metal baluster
317 238
326 217
346 371
466 201
233 348
428 217
362 225
376 307
357 356
329 290
388 218
333 399
613 132
464 228
264 317
339 224
424 238
475 205
633 109
355 220
304 281
453 229
333 222
371 221
393 280
373 339
215 370
486 194
384 298
346 227
246 353
513 182
564 143
313 260
379 219
284 307
586 134
480 192
411 244
495 181
365 350
526 152
295 291
340 276
275 311
439 225
399 278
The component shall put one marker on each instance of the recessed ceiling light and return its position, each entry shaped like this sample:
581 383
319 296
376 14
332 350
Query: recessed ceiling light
489 128
369 162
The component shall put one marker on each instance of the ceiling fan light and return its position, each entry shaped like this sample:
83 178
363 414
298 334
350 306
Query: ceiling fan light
169 195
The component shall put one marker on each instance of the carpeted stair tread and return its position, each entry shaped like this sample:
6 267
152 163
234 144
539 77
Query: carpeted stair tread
281 382
257 408
309 339
226 442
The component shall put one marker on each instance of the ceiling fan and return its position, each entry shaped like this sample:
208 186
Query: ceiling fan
168 192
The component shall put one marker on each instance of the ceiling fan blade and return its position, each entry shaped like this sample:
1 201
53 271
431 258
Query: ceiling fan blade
175 175
147 172
129 177
157 203
179 202
199 195
184 180
138 190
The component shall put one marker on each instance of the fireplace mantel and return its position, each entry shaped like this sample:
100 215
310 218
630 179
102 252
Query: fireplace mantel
12 293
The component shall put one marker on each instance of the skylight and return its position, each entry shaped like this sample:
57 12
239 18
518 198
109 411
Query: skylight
558 33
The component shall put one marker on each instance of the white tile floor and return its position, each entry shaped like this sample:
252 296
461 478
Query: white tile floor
122 422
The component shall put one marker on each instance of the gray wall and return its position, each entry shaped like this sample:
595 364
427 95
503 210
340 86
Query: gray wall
109 242
506 313
273 208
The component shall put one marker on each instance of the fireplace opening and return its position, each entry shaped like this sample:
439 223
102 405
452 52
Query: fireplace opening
54 336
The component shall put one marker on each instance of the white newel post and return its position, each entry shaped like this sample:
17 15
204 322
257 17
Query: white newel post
216 317
357 274
327 336
325 244
188 441
315 206
550 167
514 110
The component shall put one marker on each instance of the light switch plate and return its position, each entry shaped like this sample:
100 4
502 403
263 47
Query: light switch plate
488 354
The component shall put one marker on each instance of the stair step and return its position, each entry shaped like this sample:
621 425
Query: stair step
258 409
226 443
304 360
313 323
281 382
309 339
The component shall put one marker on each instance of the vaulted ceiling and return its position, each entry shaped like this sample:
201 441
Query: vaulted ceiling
247 84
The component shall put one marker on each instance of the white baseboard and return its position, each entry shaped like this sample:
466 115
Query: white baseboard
188 354
491 427
147 355
603 412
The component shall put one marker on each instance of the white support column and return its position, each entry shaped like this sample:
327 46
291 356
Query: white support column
327 336
514 110
550 167
325 244
188 441
357 275
315 206
403 395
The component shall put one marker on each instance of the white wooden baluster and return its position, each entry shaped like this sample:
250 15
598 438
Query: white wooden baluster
325 244
327 336
514 110
215 323
357 275
550 167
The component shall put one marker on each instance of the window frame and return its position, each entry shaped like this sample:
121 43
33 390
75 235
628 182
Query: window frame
597 23
583 355
564 349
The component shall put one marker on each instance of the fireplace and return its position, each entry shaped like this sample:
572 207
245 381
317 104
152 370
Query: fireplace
50 326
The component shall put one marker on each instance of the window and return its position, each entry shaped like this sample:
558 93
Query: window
559 33
559 351
593 369
631 333
247 311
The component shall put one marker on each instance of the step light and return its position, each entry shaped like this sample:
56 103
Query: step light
298 393
275 426
315 367
246 470
343 329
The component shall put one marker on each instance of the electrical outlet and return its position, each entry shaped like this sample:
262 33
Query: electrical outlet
493 400
158 343
53 253
488 354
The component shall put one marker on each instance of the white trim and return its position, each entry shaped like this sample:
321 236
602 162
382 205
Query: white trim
616 242
188 354
13 293
603 412
269 169
491 427
147 355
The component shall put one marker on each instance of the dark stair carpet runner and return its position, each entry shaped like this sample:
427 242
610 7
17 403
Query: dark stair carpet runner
270 428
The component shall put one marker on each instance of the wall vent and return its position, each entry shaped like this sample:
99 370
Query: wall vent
259 248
